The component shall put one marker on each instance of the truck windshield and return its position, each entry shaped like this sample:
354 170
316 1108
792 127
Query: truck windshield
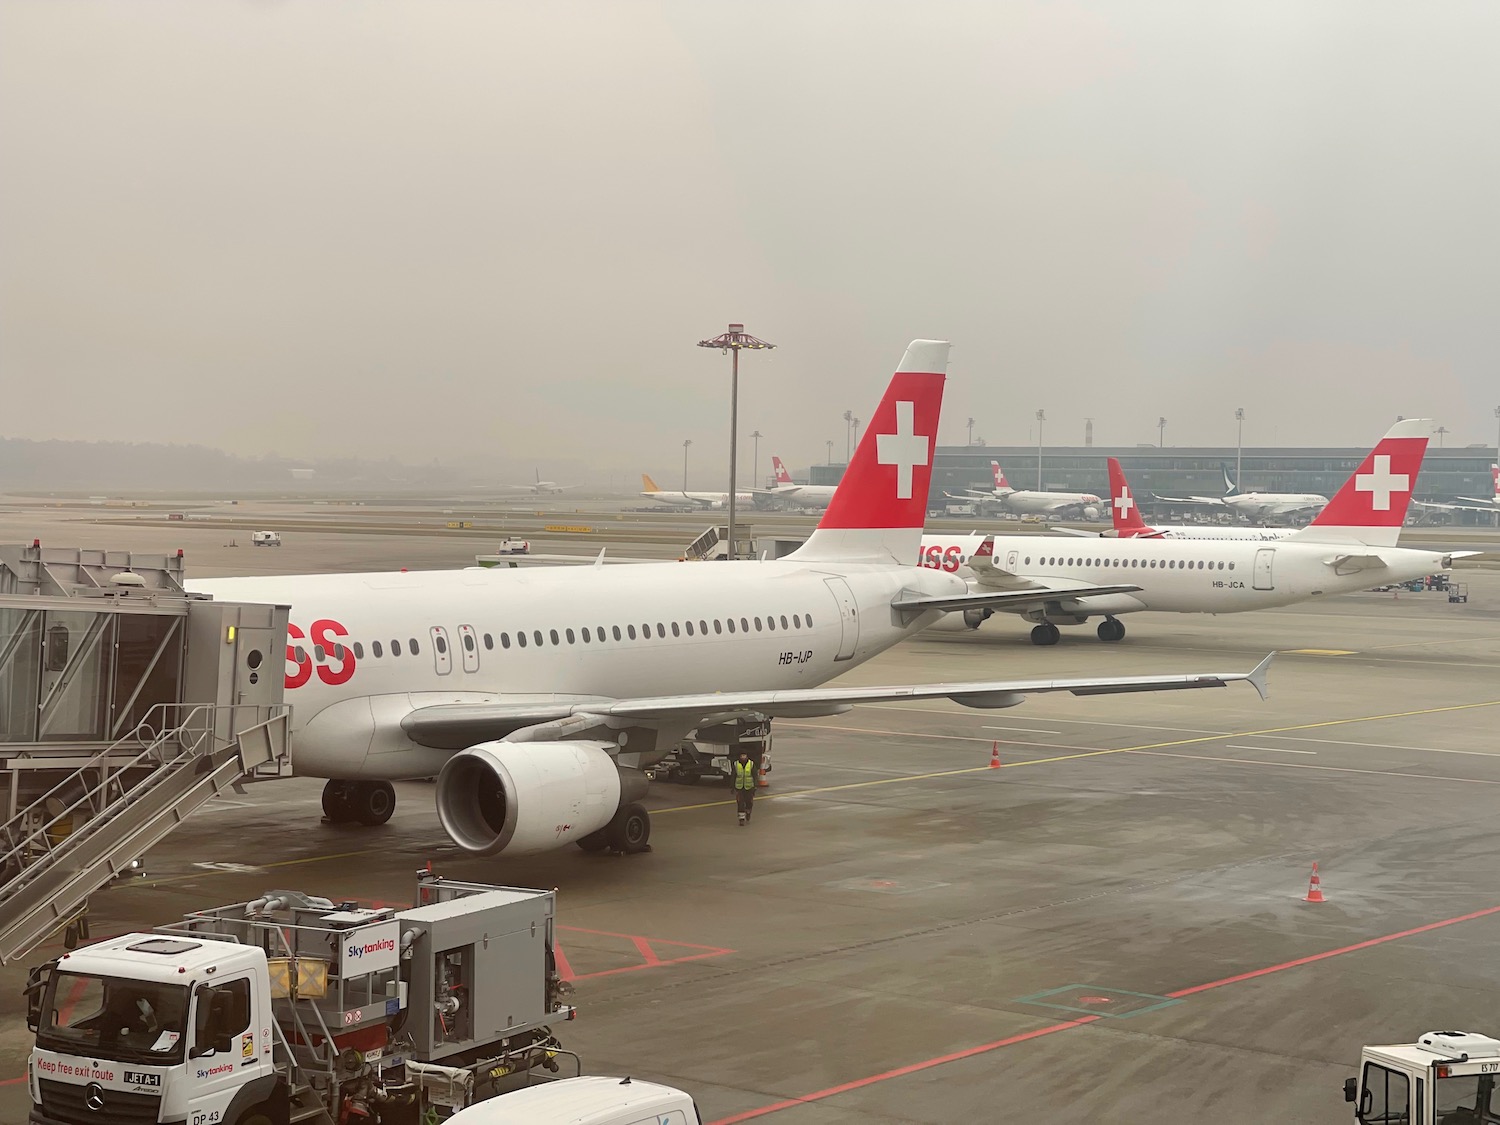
1466 1099
113 1018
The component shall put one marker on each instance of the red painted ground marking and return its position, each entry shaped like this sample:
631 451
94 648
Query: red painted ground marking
647 953
927 1064
564 969
1332 953
13 1081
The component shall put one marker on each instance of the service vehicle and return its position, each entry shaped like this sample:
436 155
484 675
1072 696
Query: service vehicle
265 539
711 753
509 546
592 1100
1444 1078
292 1008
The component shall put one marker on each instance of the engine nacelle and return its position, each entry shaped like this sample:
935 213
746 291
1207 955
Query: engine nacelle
527 797
1091 513
974 618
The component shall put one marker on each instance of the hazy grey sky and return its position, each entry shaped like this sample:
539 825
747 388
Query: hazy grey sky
496 229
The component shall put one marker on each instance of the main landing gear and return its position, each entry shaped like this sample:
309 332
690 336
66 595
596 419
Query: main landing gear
629 833
1111 629
1045 634
359 802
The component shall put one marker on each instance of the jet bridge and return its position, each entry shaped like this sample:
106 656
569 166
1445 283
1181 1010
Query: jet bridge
126 704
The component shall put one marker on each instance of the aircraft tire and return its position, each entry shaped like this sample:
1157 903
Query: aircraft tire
594 841
338 804
373 802
1045 634
1111 630
630 830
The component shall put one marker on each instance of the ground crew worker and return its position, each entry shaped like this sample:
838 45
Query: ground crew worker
744 787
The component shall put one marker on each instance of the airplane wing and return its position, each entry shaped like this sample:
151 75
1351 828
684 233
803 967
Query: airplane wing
459 725
1077 532
1472 504
1004 599
1219 500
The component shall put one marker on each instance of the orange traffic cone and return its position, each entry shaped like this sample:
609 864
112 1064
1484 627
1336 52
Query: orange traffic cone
760 778
1314 887
995 756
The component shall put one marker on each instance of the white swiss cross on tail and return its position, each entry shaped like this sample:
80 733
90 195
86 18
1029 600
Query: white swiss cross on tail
905 449
1124 511
878 509
1371 506
1381 483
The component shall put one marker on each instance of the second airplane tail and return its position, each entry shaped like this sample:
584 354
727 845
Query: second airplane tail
1372 505
647 484
877 510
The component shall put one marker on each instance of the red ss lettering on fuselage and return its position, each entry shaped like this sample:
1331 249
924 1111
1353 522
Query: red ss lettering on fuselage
936 557
329 635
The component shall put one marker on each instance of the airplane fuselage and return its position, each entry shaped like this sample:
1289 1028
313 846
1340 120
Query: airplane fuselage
1206 575
699 500
366 650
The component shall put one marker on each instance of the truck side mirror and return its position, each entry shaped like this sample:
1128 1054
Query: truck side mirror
1350 1086
37 980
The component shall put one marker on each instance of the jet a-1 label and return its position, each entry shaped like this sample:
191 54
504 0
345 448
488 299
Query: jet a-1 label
795 657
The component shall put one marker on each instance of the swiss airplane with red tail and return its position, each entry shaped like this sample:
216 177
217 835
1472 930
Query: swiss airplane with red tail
1128 524
1351 545
537 697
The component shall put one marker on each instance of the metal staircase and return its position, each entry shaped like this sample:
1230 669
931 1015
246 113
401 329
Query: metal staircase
91 826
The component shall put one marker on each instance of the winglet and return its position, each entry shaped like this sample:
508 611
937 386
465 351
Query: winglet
600 560
1258 676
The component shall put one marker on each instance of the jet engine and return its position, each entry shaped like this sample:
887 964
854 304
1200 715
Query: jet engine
527 797
1090 512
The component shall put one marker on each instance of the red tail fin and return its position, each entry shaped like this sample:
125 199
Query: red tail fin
878 508
1371 506
1127 517
782 476
999 474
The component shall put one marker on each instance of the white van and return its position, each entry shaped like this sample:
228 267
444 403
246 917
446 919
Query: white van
265 539
591 1100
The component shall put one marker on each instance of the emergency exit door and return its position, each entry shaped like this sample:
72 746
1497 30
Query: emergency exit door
1263 559
848 617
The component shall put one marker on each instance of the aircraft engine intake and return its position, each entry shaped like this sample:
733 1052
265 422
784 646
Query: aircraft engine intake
527 797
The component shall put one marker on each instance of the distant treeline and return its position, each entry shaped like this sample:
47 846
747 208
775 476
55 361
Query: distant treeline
107 467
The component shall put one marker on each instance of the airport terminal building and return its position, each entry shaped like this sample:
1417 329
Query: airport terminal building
1190 470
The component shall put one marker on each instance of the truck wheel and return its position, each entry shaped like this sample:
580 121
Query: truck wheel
594 841
630 830
373 802
257 1116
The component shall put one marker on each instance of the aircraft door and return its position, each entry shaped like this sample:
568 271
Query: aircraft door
468 648
1012 558
848 617
442 655
1263 559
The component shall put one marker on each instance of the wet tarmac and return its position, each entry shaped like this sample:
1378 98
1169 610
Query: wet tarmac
1110 926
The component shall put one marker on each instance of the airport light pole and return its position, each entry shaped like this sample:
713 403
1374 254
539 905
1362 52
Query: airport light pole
757 435
1497 433
685 445
1239 442
971 431
1440 431
830 450
1161 433
849 421
1041 416
733 342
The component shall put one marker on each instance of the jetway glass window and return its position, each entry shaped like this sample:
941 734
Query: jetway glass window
75 676
20 671
148 667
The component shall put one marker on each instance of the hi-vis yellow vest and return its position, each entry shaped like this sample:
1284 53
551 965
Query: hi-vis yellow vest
744 775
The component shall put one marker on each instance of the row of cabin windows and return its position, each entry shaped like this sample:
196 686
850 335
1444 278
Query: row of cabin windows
767 624
678 628
1165 564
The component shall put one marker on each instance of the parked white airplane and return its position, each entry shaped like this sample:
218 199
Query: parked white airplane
694 500
798 495
1126 516
1349 546
1257 506
536 696
1471 503
1025 502
540 486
